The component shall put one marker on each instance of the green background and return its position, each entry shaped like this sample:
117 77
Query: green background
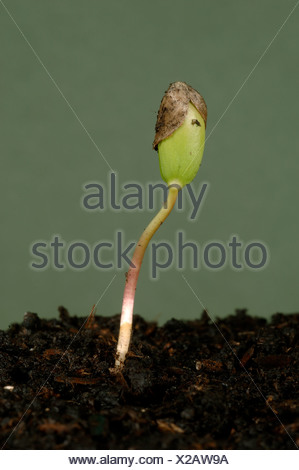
112 61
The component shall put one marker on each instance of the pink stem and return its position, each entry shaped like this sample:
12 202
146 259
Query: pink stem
126 318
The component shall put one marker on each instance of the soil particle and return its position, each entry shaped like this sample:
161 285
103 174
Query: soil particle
185 385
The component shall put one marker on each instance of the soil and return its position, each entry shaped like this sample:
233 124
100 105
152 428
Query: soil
185 385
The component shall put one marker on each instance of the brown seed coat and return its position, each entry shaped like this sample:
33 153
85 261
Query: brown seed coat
174 107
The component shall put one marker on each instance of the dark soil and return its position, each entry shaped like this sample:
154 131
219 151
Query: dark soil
183 386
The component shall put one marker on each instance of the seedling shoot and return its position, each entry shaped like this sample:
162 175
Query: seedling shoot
179 140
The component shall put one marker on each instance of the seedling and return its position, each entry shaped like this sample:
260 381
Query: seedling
179 140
